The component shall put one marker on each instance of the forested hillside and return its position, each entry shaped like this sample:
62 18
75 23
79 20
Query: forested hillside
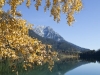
60 46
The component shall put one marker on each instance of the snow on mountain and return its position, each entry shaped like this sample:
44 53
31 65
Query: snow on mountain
47 32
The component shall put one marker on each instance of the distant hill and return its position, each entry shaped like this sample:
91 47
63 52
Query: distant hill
48 36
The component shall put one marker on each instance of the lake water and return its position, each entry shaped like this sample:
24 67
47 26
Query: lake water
65 67
86 69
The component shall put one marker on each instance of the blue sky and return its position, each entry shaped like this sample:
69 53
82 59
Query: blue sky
84 32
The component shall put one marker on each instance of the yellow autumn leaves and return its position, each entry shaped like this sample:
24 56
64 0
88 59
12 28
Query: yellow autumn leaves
69 7
15 43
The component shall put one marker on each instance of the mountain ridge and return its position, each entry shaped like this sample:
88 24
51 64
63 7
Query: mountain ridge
48 36
47 32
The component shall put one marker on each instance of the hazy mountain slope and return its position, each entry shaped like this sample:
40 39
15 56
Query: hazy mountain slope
56 45
48 32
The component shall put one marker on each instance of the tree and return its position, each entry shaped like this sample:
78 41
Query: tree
69 7
16 45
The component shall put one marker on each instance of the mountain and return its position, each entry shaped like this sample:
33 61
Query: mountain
48 36
47 32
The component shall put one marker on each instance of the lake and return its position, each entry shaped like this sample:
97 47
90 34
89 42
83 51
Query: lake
86 69
64 67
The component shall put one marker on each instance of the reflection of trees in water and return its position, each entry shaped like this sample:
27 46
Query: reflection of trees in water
60 67
91 56
6 69
90 59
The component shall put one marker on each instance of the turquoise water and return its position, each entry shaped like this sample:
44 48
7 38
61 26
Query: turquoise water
65 67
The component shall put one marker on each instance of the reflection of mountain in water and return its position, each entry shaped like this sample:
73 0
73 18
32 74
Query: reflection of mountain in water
60 68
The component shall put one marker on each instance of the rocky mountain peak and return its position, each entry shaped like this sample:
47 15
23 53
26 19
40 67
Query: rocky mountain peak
47 32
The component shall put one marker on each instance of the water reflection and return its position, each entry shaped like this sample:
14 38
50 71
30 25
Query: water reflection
60 68
87 69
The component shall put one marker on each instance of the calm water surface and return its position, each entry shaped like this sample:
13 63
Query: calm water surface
86 69
65 67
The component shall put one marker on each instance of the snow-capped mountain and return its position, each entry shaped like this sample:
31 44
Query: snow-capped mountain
47 32
48 36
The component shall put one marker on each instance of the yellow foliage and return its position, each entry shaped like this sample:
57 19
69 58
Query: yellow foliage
15 43
66 6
